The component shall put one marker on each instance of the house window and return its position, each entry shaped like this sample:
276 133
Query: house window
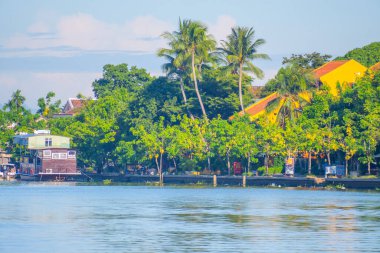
62 155
48 142
59 155
47 153
71 154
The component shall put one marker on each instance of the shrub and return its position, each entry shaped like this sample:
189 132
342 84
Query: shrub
107 181
272 170
188 165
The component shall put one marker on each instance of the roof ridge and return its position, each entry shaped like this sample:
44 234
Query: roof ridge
330 63
261 100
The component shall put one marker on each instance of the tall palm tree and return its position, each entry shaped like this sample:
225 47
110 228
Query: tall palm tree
193 44
293 85
238 52
176 64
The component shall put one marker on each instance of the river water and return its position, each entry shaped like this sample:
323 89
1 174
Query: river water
39 217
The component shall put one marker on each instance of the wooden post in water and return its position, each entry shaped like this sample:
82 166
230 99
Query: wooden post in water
215 181
244 180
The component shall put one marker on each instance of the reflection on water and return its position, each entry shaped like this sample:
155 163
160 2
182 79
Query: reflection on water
66 218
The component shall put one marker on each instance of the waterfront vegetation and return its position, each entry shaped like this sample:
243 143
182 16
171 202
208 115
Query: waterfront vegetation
181 122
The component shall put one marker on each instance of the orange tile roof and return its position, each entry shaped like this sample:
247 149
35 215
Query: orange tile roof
260 105
328 67
375 67
77 103
73 105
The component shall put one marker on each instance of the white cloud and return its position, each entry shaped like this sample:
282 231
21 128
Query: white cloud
222 27
34 85
39 27
85 32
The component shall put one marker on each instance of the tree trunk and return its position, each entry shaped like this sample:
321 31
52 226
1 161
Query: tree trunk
266 164
240 88
158 166
309 163
228 163
208 163
249 162
185 98
328 158
161 176
175 164
346 165
196 85
369 167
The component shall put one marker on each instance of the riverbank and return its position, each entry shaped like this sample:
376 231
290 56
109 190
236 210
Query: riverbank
340 183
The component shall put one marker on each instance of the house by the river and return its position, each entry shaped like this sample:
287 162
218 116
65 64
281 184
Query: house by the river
46 157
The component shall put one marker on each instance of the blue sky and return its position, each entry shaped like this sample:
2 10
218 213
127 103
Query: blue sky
61 46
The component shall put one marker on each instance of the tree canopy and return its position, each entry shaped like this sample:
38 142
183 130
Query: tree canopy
367 55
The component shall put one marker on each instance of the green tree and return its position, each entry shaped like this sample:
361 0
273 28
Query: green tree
176 66
238 52
222 139
270 140
293 87
16 103
307 61
245 140
120 76
195 43
367 55
96 130
46 107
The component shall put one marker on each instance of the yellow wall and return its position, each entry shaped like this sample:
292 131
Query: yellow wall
344 74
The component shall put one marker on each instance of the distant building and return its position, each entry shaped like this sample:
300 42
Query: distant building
46 155
72 107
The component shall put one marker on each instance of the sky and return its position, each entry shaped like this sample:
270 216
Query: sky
62 46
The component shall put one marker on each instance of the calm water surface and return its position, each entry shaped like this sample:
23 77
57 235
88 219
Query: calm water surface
65 218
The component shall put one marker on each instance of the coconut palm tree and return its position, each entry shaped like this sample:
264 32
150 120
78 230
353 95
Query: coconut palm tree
293 86
176 64
192 44
238 52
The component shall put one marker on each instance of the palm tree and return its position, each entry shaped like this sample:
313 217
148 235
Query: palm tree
238 52
176 64
16 102
293 86
192 44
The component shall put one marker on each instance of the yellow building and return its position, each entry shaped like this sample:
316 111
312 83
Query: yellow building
342 72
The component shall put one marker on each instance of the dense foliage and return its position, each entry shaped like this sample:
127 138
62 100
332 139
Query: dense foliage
367 55
144 121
